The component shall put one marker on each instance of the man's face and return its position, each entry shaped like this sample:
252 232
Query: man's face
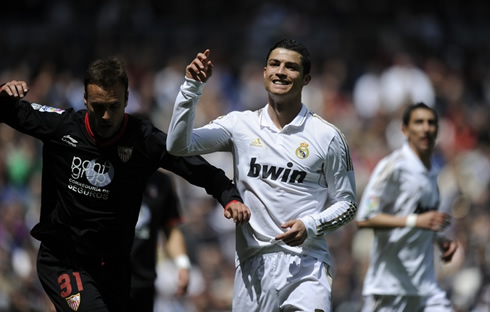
421 131
283 74
105 108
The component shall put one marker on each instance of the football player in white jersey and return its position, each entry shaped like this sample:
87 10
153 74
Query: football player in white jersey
401 203
293 170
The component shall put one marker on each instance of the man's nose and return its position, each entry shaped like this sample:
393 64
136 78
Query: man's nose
106 115
281 70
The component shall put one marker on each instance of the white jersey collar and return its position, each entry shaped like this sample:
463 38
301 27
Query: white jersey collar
298 121
417 164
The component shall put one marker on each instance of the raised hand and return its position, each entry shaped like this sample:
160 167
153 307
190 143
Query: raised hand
201 68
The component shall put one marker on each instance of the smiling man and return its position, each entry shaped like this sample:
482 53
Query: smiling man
400 203
293 170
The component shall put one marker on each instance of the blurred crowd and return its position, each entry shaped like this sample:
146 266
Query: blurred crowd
369 60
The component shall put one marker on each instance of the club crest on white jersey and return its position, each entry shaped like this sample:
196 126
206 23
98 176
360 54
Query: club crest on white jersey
302 151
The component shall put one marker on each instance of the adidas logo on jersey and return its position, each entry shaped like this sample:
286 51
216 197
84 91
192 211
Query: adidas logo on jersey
257 143
275 173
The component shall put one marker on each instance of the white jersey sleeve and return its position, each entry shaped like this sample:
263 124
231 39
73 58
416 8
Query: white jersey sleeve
340 180
181 140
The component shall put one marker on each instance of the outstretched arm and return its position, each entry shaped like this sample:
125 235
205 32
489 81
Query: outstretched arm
196 170
430 220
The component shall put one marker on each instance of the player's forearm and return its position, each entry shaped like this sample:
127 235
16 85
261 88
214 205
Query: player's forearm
383 220
182 121
330 219
342 211
175 244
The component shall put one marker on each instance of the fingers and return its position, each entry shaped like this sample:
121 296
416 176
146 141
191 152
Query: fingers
183 282
449 251
291 238
238 212
295 235
14 88
201 68
434 220
443 221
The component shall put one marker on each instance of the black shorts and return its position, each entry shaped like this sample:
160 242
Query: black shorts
84 284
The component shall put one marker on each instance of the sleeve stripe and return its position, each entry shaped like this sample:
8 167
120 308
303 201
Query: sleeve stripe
348 159
334 224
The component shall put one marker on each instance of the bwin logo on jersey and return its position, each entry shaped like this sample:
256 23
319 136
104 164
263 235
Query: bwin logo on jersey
302 151
274 173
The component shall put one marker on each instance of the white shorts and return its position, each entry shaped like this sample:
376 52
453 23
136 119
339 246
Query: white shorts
282 282
437 302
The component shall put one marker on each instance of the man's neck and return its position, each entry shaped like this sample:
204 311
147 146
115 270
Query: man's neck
282 113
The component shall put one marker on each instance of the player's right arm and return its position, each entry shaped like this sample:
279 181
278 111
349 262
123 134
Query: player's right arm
182 139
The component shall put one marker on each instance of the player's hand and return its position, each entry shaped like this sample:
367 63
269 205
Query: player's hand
182 282
201 68
448 248
433 220
14 89
238 212
296 233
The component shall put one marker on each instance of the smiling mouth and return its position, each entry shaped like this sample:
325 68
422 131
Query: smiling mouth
280 82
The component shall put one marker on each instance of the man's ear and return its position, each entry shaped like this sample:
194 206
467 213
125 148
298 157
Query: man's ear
306 79
404 130
85 98
126 98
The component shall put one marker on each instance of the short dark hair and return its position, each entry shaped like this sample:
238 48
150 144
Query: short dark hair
408 112
106 73
293 45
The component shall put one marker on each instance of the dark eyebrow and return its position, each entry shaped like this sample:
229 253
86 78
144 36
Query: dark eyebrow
288 64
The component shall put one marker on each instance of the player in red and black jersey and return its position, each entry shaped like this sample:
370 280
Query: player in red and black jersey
96 164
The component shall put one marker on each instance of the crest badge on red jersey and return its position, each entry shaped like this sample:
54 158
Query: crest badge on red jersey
124 152
74 301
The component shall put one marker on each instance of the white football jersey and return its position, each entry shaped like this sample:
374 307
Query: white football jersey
402 261
303 171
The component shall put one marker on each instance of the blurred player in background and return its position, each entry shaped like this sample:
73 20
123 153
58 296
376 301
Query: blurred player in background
293 170
159 213
401 203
